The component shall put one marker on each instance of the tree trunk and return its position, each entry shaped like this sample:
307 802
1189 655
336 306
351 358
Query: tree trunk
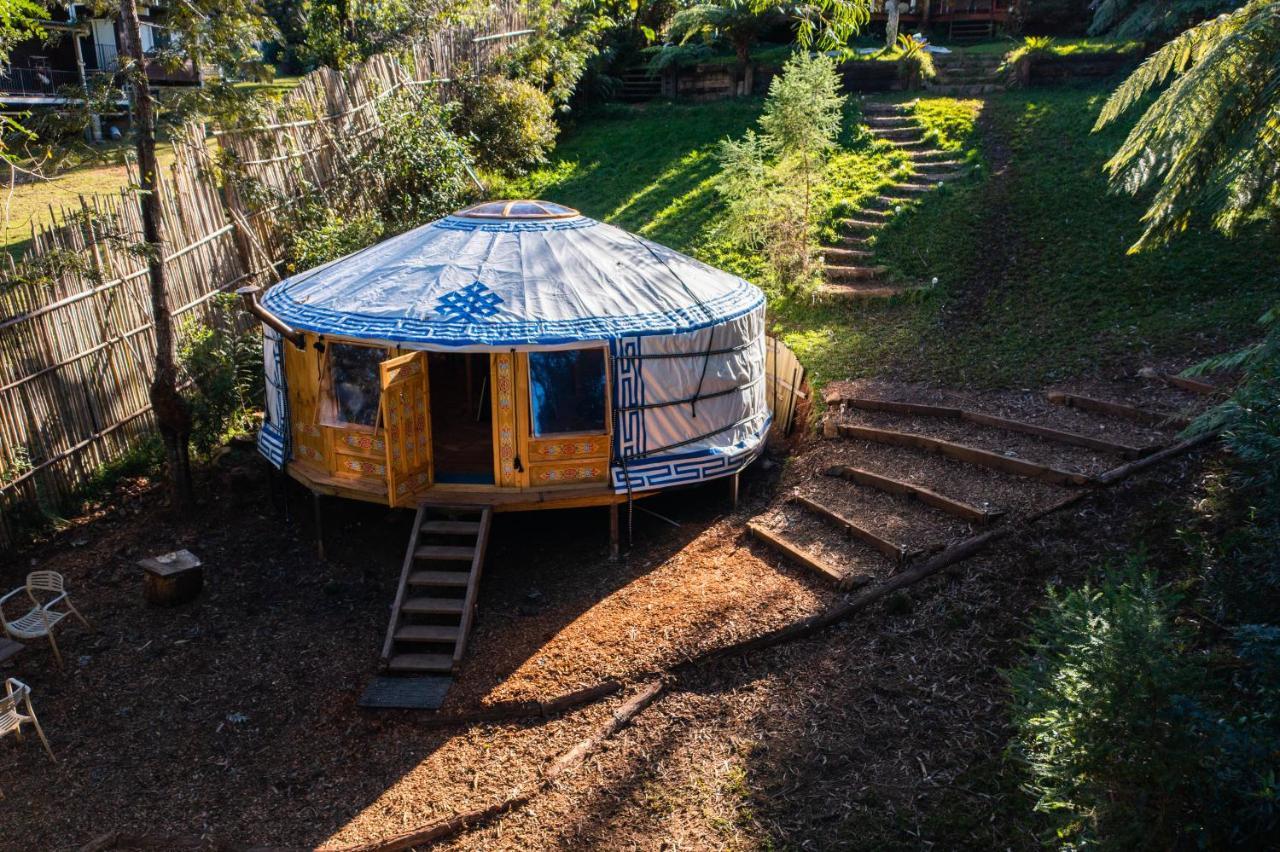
743 49
171 411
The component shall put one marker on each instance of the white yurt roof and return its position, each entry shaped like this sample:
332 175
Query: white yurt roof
511 273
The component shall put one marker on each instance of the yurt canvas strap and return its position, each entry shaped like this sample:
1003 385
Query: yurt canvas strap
644 406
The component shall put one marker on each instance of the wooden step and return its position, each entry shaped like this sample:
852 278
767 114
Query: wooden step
451 527
913 188
937 166
898 134
1117 409
421 663
896 552
861 224
853 273
968 454
900 488
888 202
916 409
854 242
445 553
432 606
456 579
929 155
427 633
841 579
854 293
844 254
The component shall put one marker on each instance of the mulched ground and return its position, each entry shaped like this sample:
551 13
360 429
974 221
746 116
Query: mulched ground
234 717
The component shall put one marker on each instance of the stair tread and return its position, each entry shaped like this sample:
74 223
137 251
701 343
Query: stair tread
439 578
447 552
421 663
432 606
451 527
426 633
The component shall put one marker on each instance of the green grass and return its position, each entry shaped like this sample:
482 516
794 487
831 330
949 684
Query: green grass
1034 280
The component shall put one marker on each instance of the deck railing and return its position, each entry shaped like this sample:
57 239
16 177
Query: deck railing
31 82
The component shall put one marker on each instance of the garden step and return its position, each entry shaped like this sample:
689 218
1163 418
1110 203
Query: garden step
887 202
854 243
421 663
853 273
929 155
861 224
427 633
881 108
937 165
937 177
967 89
432 606
889 122
895 134
915 188
846 292
844 254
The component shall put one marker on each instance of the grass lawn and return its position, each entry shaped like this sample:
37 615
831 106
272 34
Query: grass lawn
1034 281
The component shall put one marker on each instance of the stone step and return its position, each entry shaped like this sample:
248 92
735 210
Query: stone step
853 273
890 121
966 90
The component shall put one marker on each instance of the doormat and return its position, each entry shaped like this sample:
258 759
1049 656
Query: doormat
408 693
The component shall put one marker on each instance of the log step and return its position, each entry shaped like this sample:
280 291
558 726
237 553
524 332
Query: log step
970 455
1193 385
451 527
444 552
432 606
427 633
844 254
1009 425
421 663
897 552
456 579
842 580
1116 409
861 224
899 488
853 273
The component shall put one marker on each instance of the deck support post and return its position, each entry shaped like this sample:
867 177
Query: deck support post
733 489
614 534
319 513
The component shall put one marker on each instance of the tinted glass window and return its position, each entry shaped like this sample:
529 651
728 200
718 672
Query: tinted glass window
566 391
357 387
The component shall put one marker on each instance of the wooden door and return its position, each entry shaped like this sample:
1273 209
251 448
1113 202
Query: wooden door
408 428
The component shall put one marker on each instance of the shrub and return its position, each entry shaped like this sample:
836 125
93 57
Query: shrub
320 235
224 364
915 64
509 123
1093 711
423 166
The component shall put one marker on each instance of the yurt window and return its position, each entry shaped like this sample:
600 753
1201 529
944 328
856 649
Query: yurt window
355 383
567 391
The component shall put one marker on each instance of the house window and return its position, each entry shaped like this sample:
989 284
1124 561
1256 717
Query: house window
355 382
567 391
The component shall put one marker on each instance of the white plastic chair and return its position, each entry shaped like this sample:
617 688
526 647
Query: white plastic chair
11 719
42 618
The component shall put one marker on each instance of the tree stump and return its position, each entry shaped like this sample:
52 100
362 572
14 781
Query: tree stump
172 579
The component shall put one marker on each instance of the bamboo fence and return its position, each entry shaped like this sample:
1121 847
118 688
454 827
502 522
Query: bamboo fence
77 345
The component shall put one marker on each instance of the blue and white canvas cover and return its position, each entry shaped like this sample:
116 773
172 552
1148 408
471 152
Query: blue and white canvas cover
464 283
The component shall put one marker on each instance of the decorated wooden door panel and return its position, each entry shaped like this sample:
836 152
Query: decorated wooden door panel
407 428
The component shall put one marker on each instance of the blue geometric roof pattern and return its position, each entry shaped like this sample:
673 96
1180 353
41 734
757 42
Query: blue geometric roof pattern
465 281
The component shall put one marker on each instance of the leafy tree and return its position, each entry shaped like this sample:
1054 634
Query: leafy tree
770 179
509 123
1145 19
737 22
1211 139
566 35
19 21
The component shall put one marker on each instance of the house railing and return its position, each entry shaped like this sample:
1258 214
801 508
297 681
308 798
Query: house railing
31 82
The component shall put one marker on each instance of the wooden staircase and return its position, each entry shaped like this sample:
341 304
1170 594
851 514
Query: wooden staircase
436 599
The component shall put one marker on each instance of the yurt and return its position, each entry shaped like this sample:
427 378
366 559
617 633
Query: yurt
516 355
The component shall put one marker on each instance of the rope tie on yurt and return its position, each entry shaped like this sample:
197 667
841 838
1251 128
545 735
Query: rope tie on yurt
702 377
